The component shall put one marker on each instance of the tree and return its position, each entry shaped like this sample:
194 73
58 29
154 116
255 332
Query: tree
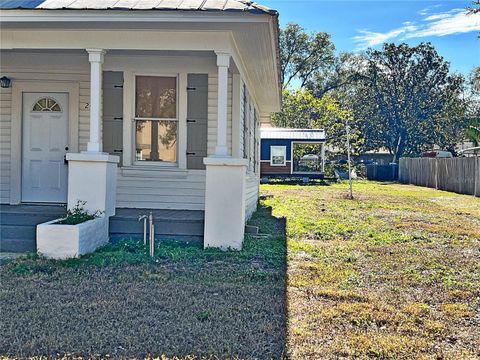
475 9
302 110
302 54
408 101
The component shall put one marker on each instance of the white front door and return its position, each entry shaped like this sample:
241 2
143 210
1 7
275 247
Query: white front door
45 143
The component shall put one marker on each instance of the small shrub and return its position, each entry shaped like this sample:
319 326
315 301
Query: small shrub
78 215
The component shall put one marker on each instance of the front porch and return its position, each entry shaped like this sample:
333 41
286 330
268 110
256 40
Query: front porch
18 225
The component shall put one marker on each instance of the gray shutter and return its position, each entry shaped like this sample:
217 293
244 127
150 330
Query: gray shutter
113 112
197 120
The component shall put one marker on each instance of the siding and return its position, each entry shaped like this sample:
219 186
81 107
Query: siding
6 110
252 191
139 187
5 130
164 189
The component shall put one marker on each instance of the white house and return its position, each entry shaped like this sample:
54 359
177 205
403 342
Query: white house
152 104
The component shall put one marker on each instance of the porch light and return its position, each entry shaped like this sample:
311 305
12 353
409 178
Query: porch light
5 82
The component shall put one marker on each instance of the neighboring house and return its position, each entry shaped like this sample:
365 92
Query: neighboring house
153 104
292 152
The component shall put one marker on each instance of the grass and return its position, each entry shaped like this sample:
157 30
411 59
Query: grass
392 274
118 302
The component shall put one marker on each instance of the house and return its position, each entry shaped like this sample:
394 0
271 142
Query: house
292 152
138 104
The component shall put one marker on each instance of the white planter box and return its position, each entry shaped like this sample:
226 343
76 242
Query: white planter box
60 241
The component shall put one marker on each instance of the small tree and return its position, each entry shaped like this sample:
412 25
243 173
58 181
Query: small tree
302 110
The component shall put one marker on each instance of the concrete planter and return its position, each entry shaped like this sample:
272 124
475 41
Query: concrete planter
60 241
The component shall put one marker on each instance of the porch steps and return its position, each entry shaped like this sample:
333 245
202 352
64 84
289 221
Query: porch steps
184 225
18 225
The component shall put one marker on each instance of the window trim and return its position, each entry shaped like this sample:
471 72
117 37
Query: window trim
284 158
150 163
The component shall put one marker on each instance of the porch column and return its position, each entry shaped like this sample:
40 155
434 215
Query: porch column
92 175
223 62
95 56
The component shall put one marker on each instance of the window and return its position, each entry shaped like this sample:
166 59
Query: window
46 104
156 118
278 155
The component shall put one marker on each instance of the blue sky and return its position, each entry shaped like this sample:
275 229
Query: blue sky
356 25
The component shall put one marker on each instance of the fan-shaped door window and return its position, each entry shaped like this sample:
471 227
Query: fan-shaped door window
47 104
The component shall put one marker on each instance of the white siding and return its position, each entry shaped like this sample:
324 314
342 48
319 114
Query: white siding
252 191
167 189
251 143
5 129
138 186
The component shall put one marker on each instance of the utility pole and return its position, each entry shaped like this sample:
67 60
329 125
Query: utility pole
350 196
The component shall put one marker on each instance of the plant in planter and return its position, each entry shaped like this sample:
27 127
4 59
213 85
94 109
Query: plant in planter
79 233
78 214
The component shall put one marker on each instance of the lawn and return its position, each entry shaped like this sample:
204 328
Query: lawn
119 303
392 274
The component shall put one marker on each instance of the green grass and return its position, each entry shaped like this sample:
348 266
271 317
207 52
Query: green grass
184 302
392 274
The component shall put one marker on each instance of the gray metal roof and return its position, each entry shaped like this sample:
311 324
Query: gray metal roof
293 134
165 5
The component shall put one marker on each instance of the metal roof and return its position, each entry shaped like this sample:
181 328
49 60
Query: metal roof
166 5
293 134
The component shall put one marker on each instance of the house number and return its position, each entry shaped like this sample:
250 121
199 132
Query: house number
87 106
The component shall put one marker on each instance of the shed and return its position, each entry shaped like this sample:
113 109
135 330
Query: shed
292 152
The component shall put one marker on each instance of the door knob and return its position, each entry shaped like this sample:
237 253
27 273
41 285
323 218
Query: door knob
66 148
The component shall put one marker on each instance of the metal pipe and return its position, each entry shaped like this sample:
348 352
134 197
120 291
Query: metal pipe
144 218
152 234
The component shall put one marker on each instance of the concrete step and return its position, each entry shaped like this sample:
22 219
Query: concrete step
8 245
17 231
27 219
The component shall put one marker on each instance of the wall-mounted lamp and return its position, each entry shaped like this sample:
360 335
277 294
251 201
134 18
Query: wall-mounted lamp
5 82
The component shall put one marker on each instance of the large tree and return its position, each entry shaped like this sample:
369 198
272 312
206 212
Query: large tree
302 54
408 100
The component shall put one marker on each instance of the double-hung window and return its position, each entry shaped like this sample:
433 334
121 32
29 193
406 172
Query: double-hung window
278 155
156 118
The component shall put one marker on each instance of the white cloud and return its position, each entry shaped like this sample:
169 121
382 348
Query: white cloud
454 21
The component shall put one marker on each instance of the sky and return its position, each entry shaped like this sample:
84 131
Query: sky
356 25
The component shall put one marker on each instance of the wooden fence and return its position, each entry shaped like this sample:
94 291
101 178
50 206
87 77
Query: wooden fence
460 175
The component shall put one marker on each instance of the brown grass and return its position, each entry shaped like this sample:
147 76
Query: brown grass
392 274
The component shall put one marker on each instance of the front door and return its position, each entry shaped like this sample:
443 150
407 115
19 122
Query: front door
45 143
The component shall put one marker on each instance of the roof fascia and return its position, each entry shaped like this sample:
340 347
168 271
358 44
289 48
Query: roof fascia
130 16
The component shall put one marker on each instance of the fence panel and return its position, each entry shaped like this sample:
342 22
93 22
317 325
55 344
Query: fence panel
460 175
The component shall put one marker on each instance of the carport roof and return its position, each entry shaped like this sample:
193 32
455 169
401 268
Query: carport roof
293 134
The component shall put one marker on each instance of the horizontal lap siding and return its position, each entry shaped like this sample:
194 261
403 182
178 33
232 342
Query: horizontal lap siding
141 190
266 168
160 190
6 111
252 191
5 143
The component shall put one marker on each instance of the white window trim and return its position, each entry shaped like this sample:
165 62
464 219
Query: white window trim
284 158
148 163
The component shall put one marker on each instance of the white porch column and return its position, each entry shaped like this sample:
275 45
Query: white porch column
223 62
95 56
92 175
